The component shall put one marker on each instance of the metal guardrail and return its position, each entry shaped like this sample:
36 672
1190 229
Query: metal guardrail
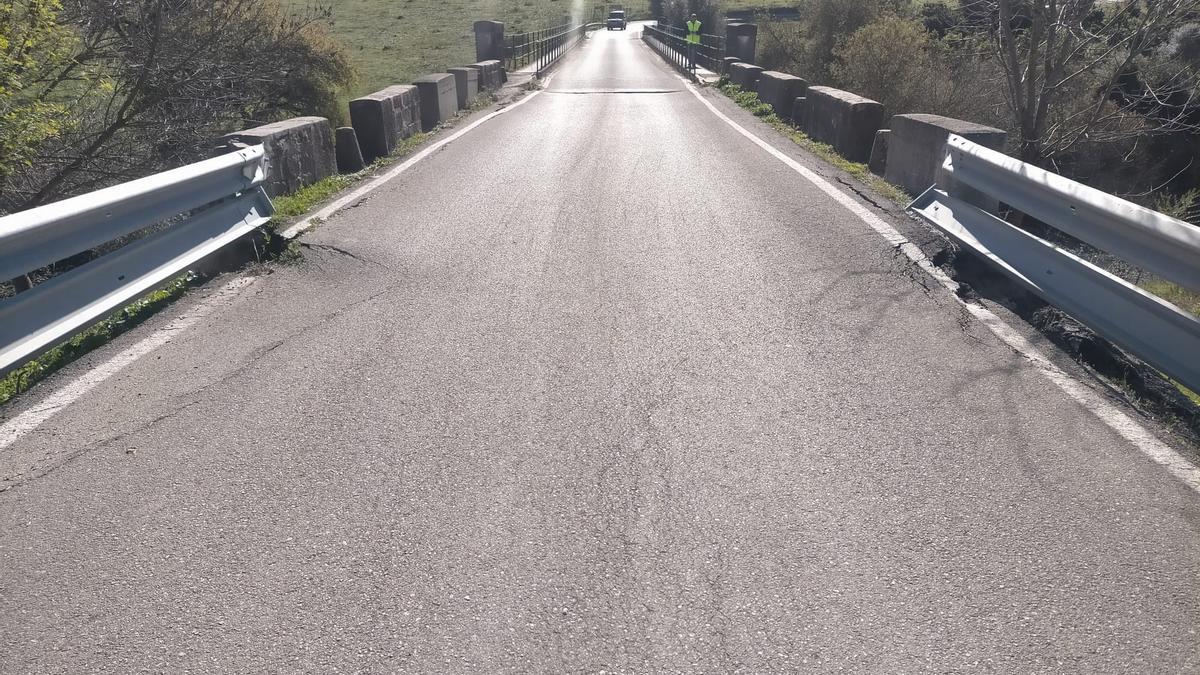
199 209
974 178
543 48
673 45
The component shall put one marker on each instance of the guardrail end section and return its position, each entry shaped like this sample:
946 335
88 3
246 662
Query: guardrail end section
255 158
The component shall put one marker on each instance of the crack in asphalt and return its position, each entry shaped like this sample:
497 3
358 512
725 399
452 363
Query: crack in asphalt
862 195
340 251
916 276
52 461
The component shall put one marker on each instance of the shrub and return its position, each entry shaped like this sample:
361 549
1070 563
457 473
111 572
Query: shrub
938 18
893 61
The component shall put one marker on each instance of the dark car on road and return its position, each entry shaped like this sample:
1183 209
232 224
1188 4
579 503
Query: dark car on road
616 20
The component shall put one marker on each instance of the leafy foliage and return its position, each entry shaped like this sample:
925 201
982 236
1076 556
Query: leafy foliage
33 45
1105 93
894 61
123 88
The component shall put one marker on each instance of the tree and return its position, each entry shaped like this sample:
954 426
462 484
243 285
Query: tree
150 83
831 21
1073 75
938 18
33 46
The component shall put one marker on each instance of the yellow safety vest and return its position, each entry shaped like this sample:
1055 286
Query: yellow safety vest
693 32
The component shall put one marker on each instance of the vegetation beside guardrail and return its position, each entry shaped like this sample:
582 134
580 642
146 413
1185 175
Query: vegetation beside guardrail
750 101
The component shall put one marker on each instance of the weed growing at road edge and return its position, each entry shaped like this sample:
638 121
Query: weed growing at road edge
35 371
750 101
1185 299
306 198
309 197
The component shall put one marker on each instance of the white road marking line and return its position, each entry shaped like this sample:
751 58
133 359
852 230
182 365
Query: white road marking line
357 195
1109 414
12 430
34 417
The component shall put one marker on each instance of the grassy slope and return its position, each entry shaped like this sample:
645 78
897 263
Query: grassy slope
394 41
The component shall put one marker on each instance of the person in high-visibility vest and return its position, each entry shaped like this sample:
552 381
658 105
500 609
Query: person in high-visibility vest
693 40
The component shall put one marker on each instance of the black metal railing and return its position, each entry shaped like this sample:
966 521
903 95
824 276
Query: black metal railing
541 48
672 44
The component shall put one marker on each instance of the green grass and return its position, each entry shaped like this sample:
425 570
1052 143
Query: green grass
309 197
306 198
750 101
1176 295
1195 398
39 369
1185 299
395 41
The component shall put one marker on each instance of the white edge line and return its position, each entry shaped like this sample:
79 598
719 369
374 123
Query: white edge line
357 195
34 417
1117 420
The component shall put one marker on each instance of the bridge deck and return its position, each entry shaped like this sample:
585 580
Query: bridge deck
602 385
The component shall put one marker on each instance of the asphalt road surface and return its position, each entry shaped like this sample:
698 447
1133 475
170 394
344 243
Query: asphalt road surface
599 387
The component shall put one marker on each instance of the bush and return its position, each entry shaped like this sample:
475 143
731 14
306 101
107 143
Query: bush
897 62
830 21
939 19
806 48
893 61
782 46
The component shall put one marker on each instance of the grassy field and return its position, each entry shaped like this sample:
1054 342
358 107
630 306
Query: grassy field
394 41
